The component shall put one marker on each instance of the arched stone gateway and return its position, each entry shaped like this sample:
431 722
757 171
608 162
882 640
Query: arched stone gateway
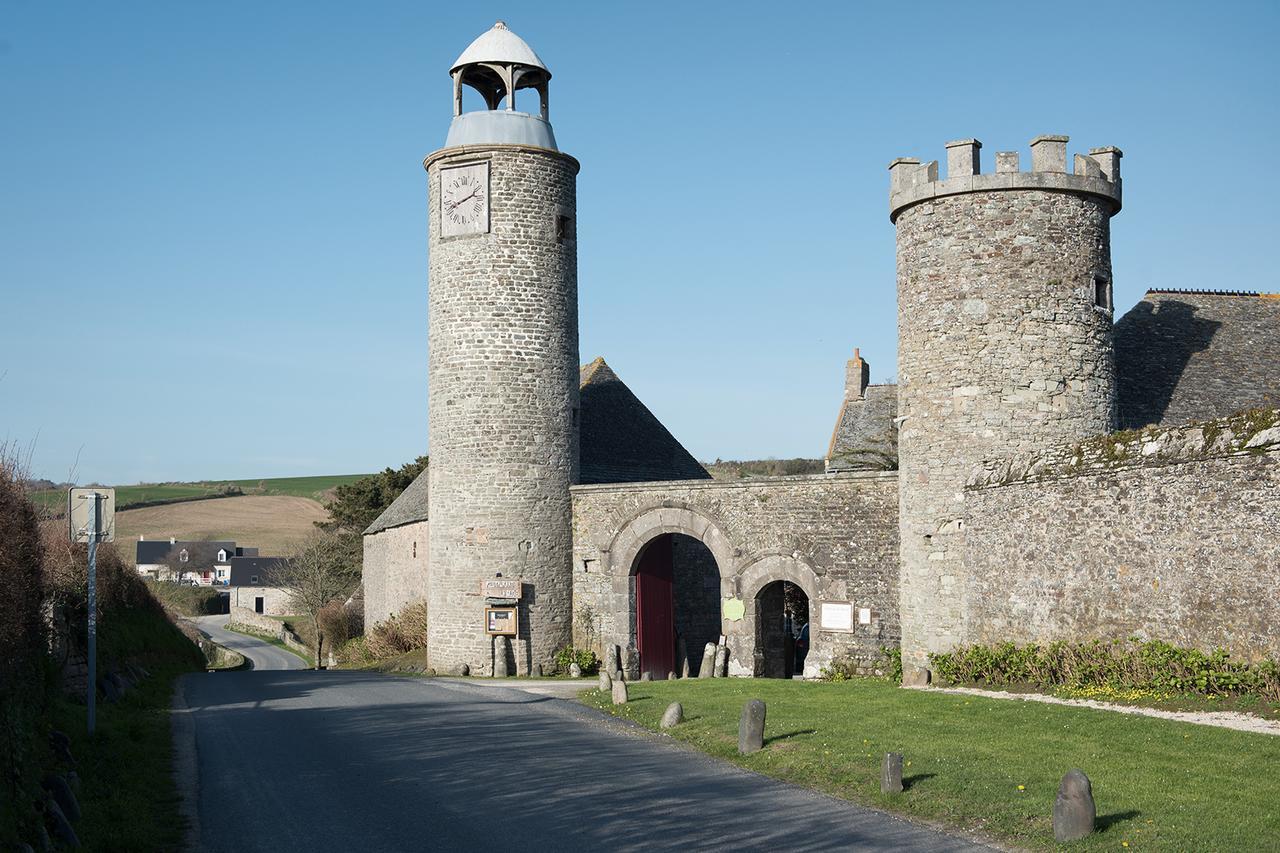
655 559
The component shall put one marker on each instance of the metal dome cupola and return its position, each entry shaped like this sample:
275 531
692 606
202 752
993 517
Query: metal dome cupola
498 64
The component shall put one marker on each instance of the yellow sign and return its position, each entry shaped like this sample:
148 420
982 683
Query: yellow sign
734 609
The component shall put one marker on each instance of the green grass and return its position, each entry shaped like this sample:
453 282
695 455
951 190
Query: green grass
1158 784
126 496
128 795
186 600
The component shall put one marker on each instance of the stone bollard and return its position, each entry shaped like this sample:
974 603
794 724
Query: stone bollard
614 660
575 671
751 727
619 692
646 676
673 716
606 683
61 826
501 650
708 661
537 670
462 669
891 773
631 663
1073 811
617 675
722 662
671 676
684 668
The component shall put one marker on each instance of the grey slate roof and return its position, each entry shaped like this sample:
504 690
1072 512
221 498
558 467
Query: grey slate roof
865 436
153 551
1185 355
620 441
409 507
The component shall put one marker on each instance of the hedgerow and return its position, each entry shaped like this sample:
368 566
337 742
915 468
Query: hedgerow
1130 664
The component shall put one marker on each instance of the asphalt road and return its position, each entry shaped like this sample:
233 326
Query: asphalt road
263 655
318 761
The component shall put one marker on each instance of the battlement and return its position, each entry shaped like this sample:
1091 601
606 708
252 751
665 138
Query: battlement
1096 173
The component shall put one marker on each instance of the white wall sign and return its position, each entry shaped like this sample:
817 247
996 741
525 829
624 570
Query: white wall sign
836 615
864 615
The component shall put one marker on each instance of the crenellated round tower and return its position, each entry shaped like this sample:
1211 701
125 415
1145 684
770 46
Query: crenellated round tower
503 372
1004 344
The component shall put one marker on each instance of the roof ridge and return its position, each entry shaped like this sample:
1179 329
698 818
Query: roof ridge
1210 291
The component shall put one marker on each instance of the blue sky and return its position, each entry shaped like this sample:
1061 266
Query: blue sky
213 216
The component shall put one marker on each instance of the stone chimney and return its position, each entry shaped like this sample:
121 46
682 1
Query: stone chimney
857 376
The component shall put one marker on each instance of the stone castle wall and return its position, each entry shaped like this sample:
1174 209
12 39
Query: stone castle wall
1001 348
834 535
503 404
1165 534
395 570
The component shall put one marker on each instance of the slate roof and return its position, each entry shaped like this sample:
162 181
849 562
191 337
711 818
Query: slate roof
153 551
1192 355
409 507
865 437
620 441
244 569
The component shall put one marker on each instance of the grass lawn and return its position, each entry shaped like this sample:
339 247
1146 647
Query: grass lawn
991 765
128 795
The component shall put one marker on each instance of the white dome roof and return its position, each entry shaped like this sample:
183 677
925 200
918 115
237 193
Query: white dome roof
500 46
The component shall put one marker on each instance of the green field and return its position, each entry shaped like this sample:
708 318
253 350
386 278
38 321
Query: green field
54 500
990 765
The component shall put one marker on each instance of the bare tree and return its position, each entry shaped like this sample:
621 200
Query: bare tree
325 567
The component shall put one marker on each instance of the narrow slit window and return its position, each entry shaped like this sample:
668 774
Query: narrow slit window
564 228
1102 292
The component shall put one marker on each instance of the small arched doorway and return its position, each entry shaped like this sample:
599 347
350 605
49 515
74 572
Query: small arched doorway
676 603
782 630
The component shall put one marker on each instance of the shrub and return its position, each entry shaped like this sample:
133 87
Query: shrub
1131 664
403 632
585 658
339 622
21 584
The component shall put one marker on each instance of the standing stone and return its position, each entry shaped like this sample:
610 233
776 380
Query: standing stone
60 790
575 671
646 676
682 655
722 662
462 669
751 727
673 716
501 651
619 692
606 683
61 826
671 676
615 658
631 663
537 670
708 661
1073 811
891 773
684 667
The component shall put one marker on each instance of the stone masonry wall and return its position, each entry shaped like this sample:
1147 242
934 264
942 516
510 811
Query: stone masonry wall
1163 534
835 535
503 405
395 570
1001 348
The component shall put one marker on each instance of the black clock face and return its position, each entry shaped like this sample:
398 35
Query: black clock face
464 199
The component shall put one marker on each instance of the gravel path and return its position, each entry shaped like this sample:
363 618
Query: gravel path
1222 719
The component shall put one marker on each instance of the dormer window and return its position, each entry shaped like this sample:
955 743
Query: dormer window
222 556
183 556
253 579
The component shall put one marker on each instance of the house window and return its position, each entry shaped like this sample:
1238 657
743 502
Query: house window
253 579
222 556
183 556
1102 292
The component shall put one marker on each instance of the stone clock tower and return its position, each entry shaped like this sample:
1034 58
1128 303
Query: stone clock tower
503 302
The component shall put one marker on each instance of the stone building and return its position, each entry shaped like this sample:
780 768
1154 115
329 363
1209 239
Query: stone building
983 497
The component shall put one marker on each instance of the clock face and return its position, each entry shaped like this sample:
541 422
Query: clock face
464 200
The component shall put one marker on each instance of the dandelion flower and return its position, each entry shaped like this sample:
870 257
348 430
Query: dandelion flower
1022 787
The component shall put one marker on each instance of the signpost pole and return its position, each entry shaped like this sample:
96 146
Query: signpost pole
93 607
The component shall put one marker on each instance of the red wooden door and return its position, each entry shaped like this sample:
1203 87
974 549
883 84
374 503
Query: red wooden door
655 609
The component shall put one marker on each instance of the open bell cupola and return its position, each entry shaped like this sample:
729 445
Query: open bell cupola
498 65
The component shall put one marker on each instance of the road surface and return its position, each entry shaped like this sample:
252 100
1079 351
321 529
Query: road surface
261 654
342 761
